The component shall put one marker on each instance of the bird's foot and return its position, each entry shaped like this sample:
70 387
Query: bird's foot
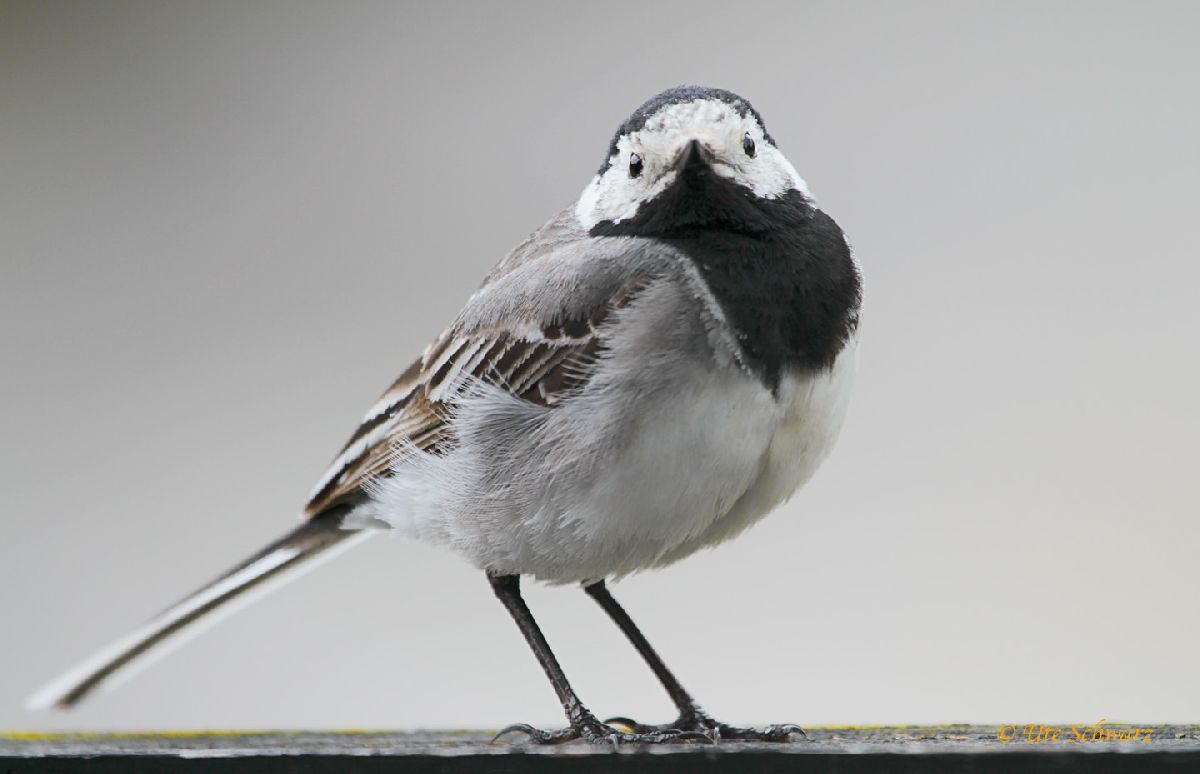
777 732
697 721
586 727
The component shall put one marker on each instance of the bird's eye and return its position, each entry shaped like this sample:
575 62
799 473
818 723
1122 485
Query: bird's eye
635 165
748 144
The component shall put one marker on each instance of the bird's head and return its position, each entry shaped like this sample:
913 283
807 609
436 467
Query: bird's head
690 157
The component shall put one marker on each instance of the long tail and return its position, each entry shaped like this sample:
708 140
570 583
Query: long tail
270 568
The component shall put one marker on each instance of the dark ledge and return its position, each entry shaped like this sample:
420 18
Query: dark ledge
840 749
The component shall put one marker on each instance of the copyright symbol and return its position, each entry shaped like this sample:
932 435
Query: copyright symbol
1006 732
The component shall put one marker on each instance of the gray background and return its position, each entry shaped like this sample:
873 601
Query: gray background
226 226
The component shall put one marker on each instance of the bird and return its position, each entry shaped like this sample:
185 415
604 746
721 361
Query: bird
648 374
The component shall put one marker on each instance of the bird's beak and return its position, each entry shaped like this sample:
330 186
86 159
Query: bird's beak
693 158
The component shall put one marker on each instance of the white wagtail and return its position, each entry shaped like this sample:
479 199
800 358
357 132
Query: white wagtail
648 374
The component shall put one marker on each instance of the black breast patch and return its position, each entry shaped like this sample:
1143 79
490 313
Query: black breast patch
780 268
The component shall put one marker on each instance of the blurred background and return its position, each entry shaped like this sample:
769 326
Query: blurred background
226 226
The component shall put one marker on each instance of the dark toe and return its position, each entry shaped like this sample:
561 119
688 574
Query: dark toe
633 725
782 732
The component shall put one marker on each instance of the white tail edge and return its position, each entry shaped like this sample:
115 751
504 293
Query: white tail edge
305 548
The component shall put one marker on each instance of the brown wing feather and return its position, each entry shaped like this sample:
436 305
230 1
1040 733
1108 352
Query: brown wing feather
415 407
541 368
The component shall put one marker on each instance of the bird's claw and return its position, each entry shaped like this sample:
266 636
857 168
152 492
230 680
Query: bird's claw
537 735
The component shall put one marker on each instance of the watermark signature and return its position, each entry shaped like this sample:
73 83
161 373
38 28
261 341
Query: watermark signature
1033 733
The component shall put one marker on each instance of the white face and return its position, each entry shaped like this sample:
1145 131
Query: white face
616 194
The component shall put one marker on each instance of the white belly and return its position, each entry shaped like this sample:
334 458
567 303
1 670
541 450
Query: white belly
693 466
815 410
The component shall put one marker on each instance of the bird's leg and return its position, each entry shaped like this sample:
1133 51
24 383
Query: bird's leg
584 724
692 716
